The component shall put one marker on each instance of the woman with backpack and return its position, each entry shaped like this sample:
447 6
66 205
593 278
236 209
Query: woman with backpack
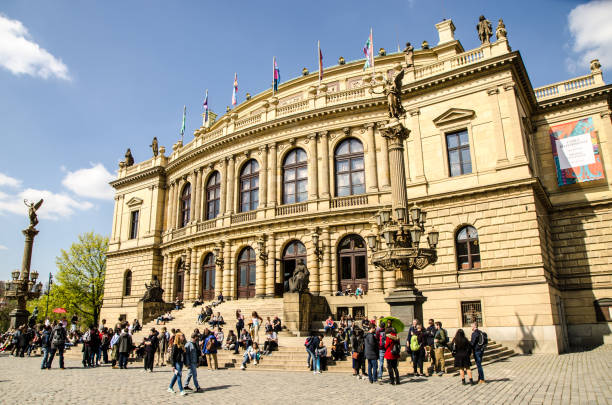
392 354
462 349
177 355
210 350
418 340
358 347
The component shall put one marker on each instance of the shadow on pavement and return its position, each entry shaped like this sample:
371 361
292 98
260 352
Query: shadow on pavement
218 387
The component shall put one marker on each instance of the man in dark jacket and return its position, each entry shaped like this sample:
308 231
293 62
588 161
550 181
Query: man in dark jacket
311 348
479 343
58 343
430 333
87 347
125 346
45 345
192 356
151 344
371 353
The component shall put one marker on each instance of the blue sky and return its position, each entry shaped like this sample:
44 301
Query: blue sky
82 81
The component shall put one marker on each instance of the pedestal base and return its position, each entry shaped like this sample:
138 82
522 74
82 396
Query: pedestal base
406 305
301 309
147 311
18 317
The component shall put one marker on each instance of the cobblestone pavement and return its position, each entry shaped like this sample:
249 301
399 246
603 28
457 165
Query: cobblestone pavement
575 378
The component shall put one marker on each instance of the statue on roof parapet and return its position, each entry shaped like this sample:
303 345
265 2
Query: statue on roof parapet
501 32
409 54
485 30
155 146
129 159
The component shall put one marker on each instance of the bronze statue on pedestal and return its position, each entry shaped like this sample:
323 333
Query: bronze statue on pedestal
300 279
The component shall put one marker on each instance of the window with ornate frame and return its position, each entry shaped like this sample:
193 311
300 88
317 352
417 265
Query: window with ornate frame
350 168
249 186
295 177
127 283
467 248
134 224
185 205
213 195
458 153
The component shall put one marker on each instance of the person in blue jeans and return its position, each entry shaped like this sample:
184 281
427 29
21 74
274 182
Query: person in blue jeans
45 345
380 336
479 343
177 356
371 354
192 354
312 343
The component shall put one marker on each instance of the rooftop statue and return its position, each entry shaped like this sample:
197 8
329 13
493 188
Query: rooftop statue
300 279
485 30
129 159
501 32
32 208
409 54
155 146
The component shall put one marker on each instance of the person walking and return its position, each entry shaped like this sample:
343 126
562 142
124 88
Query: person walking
151 344
114 345
162 346
321 357
371 354
125 346
440 343
392 354
58 344
177 356
462 349
430 333
479 343
358 347
210 350
45 345
192 358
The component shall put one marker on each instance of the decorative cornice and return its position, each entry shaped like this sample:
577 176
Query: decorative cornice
152 172
576 98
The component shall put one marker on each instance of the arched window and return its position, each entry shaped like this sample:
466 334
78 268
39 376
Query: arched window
294 251
185 204
350 174
208 277
246 273
352 263
295 177
468 248
127 283
213 195
249 186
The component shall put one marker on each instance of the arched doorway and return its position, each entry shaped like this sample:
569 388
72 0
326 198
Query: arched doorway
246 273
294 251
352 263
208 277
179 280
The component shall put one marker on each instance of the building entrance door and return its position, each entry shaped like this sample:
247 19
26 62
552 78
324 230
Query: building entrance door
246 273
180 280
208 277
352 264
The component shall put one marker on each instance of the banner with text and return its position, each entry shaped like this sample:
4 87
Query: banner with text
576 152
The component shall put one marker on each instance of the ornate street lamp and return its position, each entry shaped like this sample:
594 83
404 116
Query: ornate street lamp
261 247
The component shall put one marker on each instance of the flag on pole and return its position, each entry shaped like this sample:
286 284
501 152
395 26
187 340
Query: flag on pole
368 50
276 75
320 61
235 92
183 126
206 107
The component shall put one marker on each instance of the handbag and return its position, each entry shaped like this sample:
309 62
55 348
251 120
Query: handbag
355 355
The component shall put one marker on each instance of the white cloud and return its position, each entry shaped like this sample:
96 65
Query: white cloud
91 183
9 181
20 55
2 247
55 206
591 31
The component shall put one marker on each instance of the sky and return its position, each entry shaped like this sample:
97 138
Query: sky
80 82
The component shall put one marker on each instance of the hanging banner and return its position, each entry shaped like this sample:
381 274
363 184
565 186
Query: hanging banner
576 152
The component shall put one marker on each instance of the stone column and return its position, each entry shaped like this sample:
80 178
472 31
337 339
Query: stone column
324 168
376 275
313 267
263 177
498 128
197 212
233 272
272 177
193 181
326 267
223 198
395 135
120 218
260 276
195 275
389 281
178 203
170 290
164 276
384 164
370 156
219 273
270 276
115 214
313 168
226 270
188 275
418 174
169 201
230 185
512 112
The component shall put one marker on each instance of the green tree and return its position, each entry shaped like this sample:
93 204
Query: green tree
79 281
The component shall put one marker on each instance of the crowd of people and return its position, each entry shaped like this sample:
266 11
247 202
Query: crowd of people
371 342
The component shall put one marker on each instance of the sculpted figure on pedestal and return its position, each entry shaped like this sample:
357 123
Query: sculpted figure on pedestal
501 32
154 292
409 54
129 159
154 145
300 279
32 208
393 90
485 30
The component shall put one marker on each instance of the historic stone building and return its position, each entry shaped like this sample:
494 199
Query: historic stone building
303 172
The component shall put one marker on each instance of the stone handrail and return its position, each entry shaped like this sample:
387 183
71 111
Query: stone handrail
243 217
351 201
177 233
291 209
292 108
248 121
428 70
210 224
467 58
568 86
345 95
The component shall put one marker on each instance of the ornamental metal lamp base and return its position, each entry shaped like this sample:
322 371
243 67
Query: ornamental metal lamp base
406 305
18 317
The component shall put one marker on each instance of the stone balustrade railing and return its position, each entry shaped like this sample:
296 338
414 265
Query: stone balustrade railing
351 201
346 95
210 224
252 120
292 108
243 217
569 86
291 209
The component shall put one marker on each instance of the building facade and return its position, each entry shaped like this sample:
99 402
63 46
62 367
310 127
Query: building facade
301 174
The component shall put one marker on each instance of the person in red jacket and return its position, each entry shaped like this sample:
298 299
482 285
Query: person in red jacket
392 354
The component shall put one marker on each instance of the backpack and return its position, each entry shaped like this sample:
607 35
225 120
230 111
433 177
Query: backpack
414 343
395 349
59 336
382 339
482 341
307 342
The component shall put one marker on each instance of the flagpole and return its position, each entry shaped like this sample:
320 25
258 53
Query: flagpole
273 73
372 53
319 59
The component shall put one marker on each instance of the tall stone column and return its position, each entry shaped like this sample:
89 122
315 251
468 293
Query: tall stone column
188 275
170 290
219 272
120 218
115 214
313 168
498 128
195 275
260 277
371 169
326 267
178 203
169 200
197 212
230 185
395 135
226 270
193 181
384 165
419 173
272 180
164 277
263 177
223 197
516 134
324 168
233 272
313 267
270 268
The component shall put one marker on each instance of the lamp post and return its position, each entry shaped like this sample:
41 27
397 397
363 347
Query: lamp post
401 229
48 292
23 285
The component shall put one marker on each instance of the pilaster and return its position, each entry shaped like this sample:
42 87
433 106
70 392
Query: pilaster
326 276
272 178
370 156
263 177
230 185
324 164
419 171
270 267
498 129
313 169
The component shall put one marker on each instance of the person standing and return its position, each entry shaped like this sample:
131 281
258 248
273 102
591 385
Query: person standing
177 355
210 350
239 322
162 347
312 343
358 347
440 343
380 337
371 354
417 350
105 344
392 354
45 345
192 357
95 347
256 322
430 333
321 357
479 343
86 349
58 343
461 349
151 344
125 346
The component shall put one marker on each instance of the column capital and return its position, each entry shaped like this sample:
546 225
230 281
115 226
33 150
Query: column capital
492 91
323 134
414 111
369 125
605 114
508 86
312 137
230 158
263 148
272 146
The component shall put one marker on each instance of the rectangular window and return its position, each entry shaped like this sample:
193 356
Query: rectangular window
471 311
458 150
134 225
